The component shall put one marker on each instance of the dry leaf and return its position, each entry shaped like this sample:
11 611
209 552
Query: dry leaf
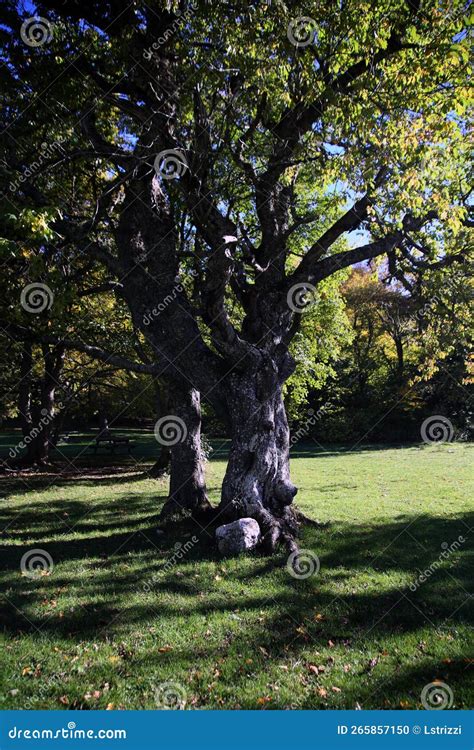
335 689
322 692
110 706
165 649
264 699
313 668
64 700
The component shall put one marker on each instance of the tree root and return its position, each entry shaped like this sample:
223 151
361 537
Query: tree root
200 510
278 530
307 521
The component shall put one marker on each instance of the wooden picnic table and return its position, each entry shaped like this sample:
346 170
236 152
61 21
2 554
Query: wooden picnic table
108 439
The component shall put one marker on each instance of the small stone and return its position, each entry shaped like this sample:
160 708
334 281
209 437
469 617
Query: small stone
239 536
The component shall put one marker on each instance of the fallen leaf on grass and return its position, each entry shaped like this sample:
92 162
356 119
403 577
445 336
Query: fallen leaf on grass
335 689
372 663
313 668
165 649
64 700
322 692
264 699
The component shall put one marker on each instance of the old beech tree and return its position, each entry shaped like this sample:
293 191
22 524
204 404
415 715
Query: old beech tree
233 148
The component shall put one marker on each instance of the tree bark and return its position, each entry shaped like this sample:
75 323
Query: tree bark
257 481
187 491
37 419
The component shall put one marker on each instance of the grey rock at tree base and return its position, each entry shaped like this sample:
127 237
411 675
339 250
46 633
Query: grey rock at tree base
239 536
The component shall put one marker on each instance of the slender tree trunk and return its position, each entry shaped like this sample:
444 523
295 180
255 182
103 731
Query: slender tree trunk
162 463
187 492
24 392
38 419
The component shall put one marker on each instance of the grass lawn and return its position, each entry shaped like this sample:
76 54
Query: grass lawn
124 610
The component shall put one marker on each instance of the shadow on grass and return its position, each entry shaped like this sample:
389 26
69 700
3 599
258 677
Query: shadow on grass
103 543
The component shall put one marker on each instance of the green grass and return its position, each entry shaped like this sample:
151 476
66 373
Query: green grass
120 614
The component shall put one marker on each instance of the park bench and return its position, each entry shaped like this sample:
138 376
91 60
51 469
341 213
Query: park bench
111 441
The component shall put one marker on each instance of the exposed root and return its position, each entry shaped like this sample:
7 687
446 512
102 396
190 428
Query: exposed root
307 521
278 530
201 510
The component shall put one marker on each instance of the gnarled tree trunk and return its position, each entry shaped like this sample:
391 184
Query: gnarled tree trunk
257 481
